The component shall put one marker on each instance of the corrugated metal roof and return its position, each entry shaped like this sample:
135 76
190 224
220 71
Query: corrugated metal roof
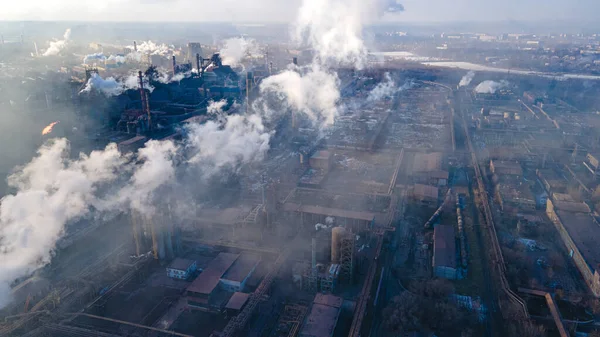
425 191
425 162
237 301
209 278
335 212
444 246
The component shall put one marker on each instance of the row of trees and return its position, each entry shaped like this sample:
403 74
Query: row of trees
428 307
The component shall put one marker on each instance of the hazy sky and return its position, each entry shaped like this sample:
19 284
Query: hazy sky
284 10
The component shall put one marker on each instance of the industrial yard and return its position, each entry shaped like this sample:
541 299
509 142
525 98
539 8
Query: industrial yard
244 185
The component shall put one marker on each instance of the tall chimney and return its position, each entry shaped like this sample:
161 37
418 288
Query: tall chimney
249 83
198 65
174 65
295 61
270 68
134 46
144 98
314 257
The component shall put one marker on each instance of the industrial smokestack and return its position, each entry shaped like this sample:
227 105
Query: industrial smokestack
144 98
198 64
295 61
249 83
270 68
37 54
174 66
134 46
314 257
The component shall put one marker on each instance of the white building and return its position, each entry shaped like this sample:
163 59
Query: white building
181 268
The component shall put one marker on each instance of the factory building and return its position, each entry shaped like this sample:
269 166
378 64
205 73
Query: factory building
505 167
201 290
580 233
323 316
235 278
444 252
181 268
425 195
226 272
237 302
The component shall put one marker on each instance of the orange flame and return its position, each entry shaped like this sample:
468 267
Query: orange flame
49 128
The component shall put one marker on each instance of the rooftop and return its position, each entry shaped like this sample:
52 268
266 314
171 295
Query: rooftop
507 167
425 191
426 162
237 301
322 319
444 250
241 267
330 300
181 264
585 233
206 282
323 154
334 212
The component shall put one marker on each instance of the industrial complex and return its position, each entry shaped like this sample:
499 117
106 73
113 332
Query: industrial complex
406 204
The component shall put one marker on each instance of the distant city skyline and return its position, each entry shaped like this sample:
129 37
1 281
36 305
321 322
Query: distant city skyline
285 11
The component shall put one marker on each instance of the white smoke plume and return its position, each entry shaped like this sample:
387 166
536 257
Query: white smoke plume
113 87
164 77
334 28
158 169
490 87
216 107
51 190
227 143
383 89
151 48
311 90
237 49
466 80
109 86
57 46
96 57
117 58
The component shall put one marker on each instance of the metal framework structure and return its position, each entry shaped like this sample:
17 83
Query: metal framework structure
291 319
239 322
347 257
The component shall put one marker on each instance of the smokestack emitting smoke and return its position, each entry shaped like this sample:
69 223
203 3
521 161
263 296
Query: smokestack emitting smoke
466 80
333 29
134 46
490 87
236 49
58 45
53 190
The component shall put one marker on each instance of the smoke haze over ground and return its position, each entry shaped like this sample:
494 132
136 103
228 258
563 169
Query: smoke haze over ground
53 190
490 87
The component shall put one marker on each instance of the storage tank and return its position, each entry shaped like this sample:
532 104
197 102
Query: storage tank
337 234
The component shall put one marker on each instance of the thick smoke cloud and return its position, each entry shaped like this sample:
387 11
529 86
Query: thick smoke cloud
113 87
312 90
96 57
466 80
158 169
229 142
490 87
333 28
236 49
58 45
51 190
